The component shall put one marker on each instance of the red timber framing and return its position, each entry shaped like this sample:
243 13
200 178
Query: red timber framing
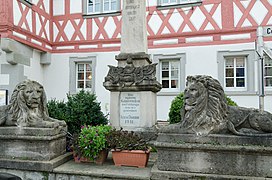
214 22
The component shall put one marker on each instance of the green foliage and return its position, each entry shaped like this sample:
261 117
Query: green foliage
91 140
80 109
124 140
177 103
83 109
57 109
230 101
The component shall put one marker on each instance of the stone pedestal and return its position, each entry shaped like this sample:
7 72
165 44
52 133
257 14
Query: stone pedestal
32 148
133 110
214 156
133 83
133 87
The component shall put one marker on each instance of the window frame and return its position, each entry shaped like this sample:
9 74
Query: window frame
73 64
170 61
27 2
178 4
181 57
234 74
86 13
269 88
250 71
84 75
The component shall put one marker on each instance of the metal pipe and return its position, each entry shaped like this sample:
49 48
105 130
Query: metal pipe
261 67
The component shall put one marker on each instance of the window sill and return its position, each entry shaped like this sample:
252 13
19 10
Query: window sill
168 93
116 13
241 93
192 4
27 3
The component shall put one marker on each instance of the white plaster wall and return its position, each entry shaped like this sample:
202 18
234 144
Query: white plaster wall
199 60
58 7
56 76
103 95
75 6
150 3
35 70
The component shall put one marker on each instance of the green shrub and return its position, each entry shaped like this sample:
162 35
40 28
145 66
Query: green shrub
80 109
83 109
177 103
57 109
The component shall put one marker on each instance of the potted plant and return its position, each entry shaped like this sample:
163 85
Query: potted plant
128 149
91 144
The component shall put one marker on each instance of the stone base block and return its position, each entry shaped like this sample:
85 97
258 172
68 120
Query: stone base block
38 144
133 110
157 174
215 154
31 165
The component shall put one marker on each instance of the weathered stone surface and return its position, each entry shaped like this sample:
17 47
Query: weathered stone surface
134 33
205 111
215 154
16 52
32 165
157 174
139 59
142 110
28 108
25 145
132 78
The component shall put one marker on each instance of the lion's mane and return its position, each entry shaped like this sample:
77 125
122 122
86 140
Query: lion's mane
210 111
19 112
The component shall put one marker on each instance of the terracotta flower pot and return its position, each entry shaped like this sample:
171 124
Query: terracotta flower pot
103 155
136 158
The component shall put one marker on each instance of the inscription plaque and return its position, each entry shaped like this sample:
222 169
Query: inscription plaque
129 109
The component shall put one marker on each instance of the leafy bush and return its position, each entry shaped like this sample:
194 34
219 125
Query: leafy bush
124 140
177 103
92 140
83 109
80 109
57 109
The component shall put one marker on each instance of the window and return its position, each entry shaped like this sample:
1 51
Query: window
235 72
101 6
267 71
82 73
84 76
170 74
179 2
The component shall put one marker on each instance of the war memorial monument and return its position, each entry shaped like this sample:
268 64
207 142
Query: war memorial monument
212 140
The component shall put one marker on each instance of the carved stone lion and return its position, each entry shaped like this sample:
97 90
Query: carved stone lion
205 111
28 108
205 107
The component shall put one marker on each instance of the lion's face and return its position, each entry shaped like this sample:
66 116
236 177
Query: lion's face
193 91
32 95
204 107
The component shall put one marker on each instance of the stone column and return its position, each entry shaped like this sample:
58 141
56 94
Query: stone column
134 36
134 33
132 83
